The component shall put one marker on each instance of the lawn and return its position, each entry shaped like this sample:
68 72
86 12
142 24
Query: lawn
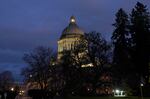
109 98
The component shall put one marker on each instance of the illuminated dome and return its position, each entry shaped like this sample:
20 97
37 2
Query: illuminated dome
72 29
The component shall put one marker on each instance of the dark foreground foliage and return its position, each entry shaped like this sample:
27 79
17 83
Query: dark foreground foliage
41 94
8 94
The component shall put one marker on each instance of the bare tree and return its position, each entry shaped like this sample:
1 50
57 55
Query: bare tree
6 80
40 66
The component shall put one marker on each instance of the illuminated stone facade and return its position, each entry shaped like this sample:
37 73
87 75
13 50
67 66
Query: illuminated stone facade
70 37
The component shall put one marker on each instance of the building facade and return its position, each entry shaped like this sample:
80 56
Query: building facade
70 37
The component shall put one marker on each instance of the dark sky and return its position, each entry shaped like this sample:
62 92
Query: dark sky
26 24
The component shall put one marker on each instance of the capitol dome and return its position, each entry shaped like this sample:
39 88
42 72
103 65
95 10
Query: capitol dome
70 37
72 29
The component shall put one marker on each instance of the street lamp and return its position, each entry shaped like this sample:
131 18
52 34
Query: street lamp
141 89
142 85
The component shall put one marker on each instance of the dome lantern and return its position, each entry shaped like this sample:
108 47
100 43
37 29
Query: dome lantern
72 29
72 19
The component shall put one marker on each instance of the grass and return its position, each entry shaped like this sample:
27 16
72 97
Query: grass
109 98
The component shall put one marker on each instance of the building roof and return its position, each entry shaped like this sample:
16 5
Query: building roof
72 28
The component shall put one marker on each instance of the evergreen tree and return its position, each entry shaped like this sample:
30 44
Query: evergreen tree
121 64
140 40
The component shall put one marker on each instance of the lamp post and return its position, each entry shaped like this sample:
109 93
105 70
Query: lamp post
5 95
141 89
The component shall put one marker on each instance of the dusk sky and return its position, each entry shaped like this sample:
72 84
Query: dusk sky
26 24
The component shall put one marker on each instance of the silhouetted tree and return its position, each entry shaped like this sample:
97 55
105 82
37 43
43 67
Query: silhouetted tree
140 40
71 71
91 50
98 51
6 80
98 54
40 67
121 56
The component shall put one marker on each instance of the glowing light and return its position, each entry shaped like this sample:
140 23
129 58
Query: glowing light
117 91
142 85
30 76
72 92
22 91
87 65
72 20
12 89
53 64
